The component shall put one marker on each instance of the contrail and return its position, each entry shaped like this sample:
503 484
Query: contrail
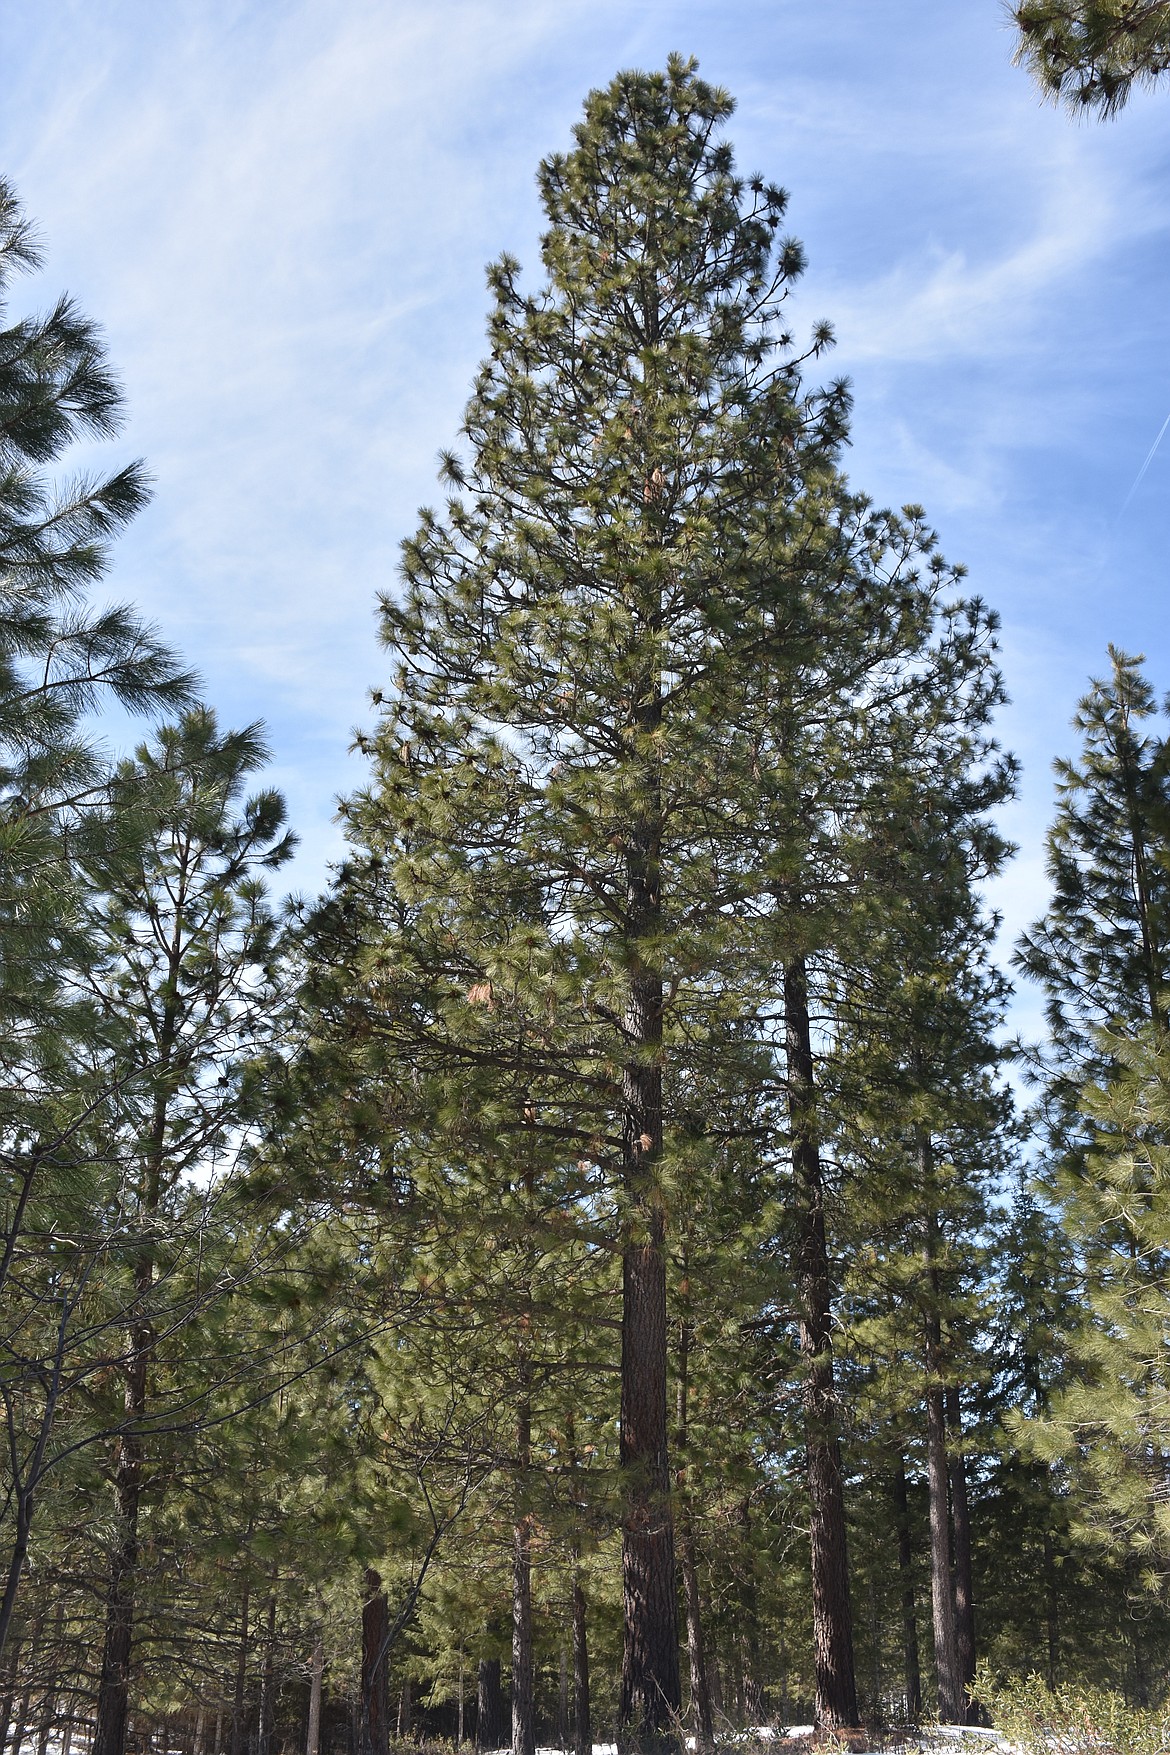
1149 459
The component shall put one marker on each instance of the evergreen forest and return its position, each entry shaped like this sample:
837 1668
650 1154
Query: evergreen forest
606 1271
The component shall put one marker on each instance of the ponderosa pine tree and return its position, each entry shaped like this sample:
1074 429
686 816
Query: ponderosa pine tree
1102 956
184 981
1101 952
641 658
59 662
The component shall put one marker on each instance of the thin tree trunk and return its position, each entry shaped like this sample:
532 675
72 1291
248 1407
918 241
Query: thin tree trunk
405 1708
523 1726
11 1670
836 1686
459 1735
239 1703
267 1682
375 1715
700 1693
582 1719
20 1729
911 1662
961 1534
24 1503
114 1686
1051 1610
942 1593
749 1637
650 1694
563 1699
316 1682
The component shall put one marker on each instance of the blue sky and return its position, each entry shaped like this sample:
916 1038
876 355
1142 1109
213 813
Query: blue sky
280 213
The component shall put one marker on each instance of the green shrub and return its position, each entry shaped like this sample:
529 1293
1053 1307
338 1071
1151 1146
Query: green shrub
1073 1720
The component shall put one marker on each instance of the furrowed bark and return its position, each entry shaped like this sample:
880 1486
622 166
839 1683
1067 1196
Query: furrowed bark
375 1715
650 1692
316 1682
961 1535
911 1662
489 1706
523 1722
836 1686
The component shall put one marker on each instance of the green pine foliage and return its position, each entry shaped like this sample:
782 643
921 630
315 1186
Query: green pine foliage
1091 53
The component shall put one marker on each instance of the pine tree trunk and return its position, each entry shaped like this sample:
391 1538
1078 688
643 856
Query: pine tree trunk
563 1699
749 1638
114 1686
523 1725
836 1686
911 1662
267 1683
650 1693
942 1591
375 1714
961 1532
11 1671
405 1708
942 1599
240 1700
1051 1610
22 1528
489 1706
316 1683
460 1733
582 1715
700 1695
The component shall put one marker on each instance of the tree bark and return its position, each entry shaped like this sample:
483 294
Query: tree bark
942 1599
836 1686
316 1683
267 1683
961 1535
951 1701
749 1637
240 1699
911 1662
582 1719
563 1699
700 1693
114 1685
523 1725
375 1714
489 1706
11 1671
650 1693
